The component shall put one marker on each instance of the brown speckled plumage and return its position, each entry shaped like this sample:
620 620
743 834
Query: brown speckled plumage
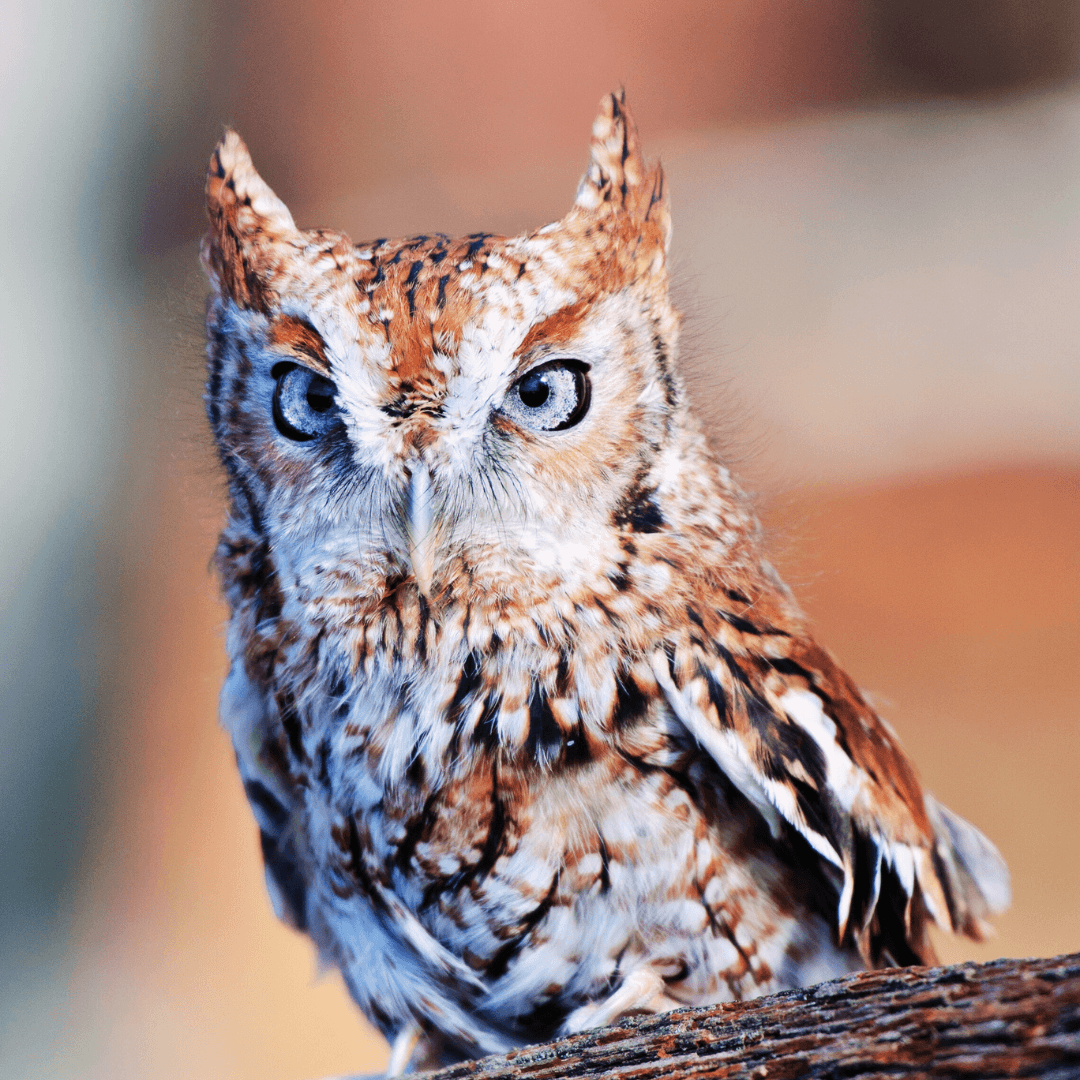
534 734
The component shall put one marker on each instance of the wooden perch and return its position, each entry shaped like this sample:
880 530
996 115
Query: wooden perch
1009 1018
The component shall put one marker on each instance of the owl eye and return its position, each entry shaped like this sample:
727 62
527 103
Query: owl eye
551 397
304 406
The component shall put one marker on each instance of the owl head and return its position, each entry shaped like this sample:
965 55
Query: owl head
429 409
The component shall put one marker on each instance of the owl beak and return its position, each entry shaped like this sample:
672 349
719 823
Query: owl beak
418 525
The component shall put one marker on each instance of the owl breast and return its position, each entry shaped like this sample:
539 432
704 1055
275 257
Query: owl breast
532 879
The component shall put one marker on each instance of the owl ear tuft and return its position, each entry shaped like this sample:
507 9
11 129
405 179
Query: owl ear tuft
618 177
246 220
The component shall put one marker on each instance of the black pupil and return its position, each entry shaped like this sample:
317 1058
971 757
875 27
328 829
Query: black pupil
320 395
534 391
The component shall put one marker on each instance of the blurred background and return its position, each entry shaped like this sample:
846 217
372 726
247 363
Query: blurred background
877 244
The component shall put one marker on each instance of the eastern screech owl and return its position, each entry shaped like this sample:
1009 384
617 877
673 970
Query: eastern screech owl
534 735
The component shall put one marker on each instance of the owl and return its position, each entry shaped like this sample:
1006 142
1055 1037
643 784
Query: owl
534 734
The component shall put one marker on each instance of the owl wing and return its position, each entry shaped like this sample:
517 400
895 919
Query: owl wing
247 710
792 732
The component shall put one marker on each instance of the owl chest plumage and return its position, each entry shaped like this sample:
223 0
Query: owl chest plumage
457 809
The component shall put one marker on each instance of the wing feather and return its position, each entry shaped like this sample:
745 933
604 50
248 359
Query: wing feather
795 736
976 877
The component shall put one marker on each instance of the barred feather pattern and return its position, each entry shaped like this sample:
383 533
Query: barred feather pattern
525 717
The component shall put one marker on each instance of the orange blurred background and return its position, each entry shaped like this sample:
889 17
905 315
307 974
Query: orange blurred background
877 244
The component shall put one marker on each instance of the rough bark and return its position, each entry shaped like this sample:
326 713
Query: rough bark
1009 1018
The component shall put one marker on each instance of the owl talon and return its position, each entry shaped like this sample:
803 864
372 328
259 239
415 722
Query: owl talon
641 991
401 1051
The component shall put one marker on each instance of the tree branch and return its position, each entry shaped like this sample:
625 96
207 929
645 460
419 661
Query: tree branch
1009 1018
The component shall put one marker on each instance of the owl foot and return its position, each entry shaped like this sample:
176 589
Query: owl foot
401 1051
641 991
